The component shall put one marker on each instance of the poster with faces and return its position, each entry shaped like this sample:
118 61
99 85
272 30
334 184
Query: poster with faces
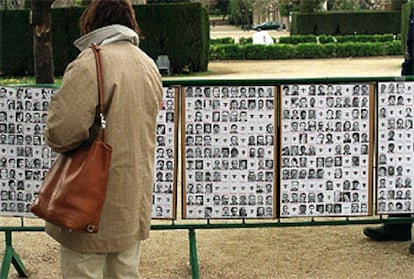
395 171
228 142
326 149
24 157
164 192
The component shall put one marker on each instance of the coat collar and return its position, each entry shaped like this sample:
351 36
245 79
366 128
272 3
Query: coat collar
106 35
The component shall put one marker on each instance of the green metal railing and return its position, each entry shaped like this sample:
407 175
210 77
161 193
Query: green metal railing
12 258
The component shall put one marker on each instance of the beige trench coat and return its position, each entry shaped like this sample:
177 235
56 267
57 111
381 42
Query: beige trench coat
133 93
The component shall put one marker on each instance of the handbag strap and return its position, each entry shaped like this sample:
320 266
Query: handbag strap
96 49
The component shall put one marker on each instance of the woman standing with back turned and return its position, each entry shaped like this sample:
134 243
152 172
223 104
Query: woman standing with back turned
133 94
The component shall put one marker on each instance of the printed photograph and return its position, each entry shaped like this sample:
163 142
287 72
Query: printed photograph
395 148
25 158
325 150
229 144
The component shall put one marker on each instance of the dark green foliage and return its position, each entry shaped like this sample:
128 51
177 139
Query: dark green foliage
256 52
405 15
226 52
366 38
347 23
244 41
281 51
306 6
227 40
396 5
16 43
297 39
392 48
305 50
325 39
180 31
309 50
65 32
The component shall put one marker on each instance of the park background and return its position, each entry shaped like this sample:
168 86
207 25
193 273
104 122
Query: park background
296 252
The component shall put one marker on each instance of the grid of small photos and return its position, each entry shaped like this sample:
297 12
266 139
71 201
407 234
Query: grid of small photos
395 148
325 150
229 145
24 158
164 192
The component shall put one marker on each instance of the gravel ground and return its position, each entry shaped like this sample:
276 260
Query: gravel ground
299 252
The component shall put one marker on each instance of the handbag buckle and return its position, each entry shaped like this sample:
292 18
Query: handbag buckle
103 121
90 228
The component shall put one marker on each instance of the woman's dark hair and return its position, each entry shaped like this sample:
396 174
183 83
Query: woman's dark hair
101 13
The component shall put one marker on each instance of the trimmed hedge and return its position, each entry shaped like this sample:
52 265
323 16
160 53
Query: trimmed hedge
322 39
304 50
227 40
16 43
297 39
182 31
185 39
346 23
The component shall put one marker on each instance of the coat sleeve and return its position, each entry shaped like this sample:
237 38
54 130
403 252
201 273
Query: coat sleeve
72 109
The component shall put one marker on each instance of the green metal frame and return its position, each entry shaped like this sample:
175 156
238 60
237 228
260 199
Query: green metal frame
11 256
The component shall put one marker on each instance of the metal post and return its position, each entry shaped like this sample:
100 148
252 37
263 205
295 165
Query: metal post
11 257
193 254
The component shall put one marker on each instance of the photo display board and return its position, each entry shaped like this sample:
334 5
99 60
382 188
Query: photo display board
165 181
25 158
229 152
395 162
326 149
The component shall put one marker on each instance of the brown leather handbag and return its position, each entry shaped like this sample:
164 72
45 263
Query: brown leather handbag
73 192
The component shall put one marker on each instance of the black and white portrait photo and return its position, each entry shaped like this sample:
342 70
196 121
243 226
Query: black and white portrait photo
395 148
325 132
164 191
229 152
24 156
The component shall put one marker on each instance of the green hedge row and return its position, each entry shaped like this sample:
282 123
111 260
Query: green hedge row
346 23
303 50
323 39
185 39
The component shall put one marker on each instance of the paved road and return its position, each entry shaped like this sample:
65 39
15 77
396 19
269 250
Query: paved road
297 68
223 31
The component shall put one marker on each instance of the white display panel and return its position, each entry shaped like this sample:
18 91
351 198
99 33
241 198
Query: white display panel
25 158
229 144
395 171
164 192
325 150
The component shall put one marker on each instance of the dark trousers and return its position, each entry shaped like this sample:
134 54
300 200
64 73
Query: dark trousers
400 226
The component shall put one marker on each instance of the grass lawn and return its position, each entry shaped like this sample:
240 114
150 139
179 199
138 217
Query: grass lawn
23 80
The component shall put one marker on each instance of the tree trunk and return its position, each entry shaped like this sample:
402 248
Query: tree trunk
42 41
